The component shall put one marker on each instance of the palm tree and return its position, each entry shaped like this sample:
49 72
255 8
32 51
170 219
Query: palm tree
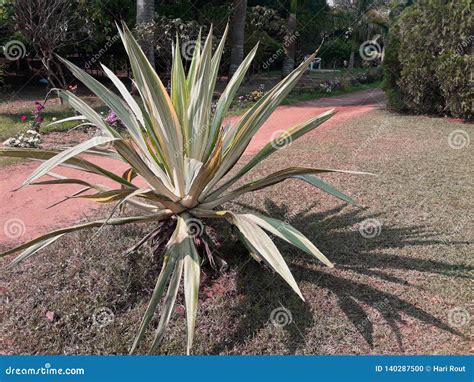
367 17
238 34
146 14
290 41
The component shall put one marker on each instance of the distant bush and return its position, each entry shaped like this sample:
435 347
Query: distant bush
374 74
427 62
368 76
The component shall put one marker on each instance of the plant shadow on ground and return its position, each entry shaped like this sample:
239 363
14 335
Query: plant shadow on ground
349 251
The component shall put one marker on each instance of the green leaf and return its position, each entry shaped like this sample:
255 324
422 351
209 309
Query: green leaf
288 233
270 180
180 95
79 105
132 104
65 155
168 305
192 270
315 181
98 223
200 97
158 104
76 163
238 137
31 250
264 247
123 112
74 118
287 137
158 291
228 95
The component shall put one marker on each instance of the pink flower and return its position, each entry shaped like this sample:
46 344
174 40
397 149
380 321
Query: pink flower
24 118
38 106
39 119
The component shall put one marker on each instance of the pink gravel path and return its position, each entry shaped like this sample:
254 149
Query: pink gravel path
24 214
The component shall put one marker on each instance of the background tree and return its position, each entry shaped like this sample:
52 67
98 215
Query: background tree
266 27
364 20
49 25
145 15
237 34
289 43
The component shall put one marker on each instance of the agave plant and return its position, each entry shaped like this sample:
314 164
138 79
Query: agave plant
182 154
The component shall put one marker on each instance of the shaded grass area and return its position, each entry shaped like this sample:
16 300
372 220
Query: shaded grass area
390 293
297 97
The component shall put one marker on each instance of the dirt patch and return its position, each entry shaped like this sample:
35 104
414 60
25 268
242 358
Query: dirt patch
54 140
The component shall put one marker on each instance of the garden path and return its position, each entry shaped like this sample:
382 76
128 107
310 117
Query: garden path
24 214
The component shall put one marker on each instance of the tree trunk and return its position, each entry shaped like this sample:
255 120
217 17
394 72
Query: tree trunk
289 44
238 34
145 14
351 60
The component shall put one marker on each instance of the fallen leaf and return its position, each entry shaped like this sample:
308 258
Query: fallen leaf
50 316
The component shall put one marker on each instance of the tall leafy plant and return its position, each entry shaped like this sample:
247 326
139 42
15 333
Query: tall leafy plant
182 154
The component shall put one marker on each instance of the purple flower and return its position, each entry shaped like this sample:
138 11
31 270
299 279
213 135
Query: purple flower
111 118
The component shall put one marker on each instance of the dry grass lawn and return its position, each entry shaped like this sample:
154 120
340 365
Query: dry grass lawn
407 290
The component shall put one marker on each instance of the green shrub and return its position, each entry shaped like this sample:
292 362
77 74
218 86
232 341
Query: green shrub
427 62
374 74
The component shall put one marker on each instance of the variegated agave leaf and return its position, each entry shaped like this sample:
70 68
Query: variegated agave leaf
180 152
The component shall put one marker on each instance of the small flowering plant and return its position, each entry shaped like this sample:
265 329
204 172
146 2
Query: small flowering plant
330 85
114 121
252 97
31 138
28 139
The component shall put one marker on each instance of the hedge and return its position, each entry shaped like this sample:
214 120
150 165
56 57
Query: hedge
428 59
